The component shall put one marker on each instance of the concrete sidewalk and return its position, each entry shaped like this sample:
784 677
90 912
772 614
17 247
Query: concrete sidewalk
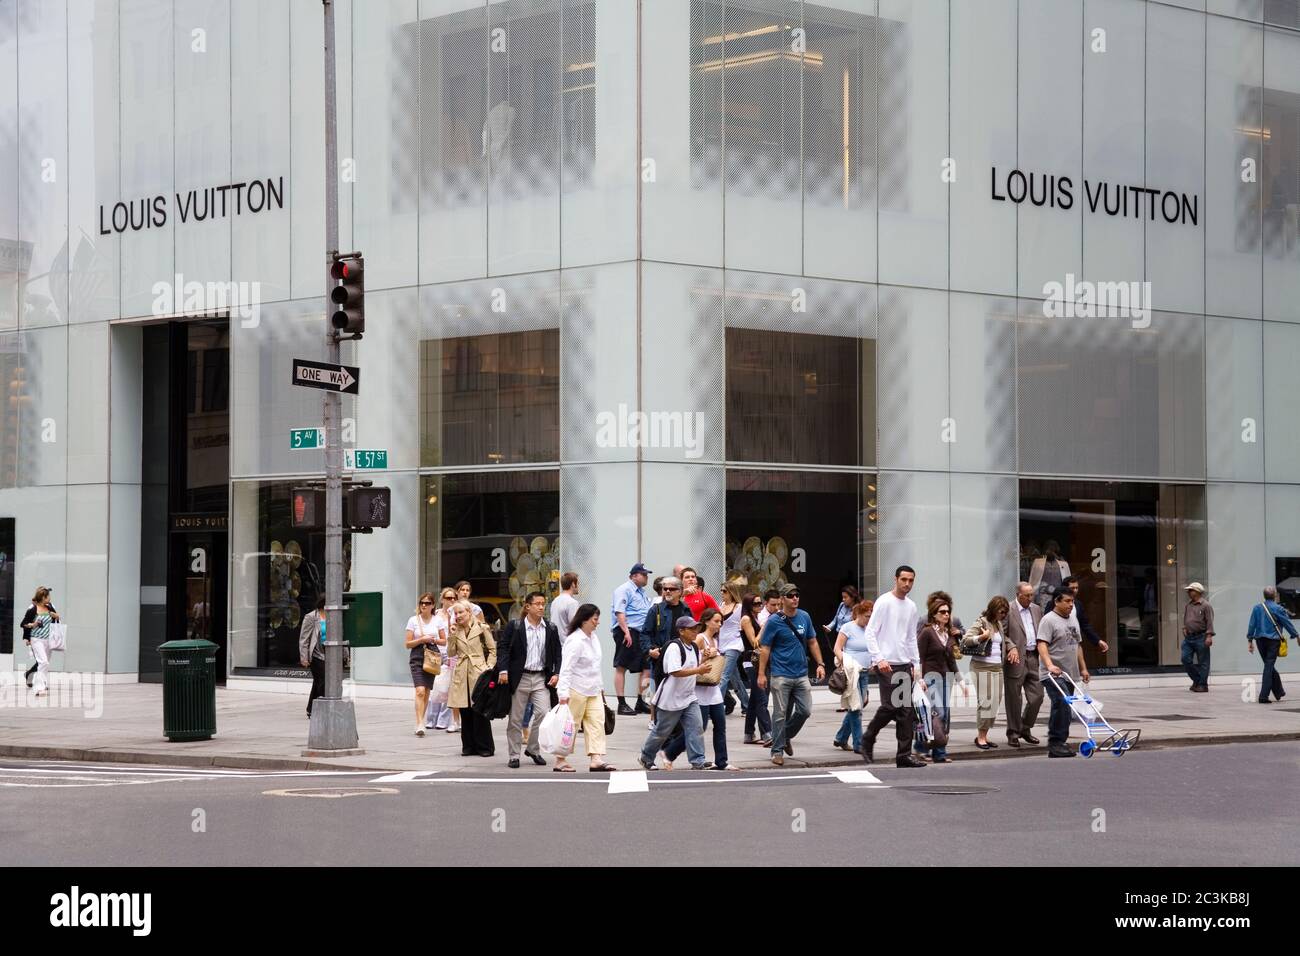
259 730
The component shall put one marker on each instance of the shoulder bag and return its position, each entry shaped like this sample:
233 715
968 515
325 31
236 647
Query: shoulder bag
1282 636
975 646
609 715
432 658
713 676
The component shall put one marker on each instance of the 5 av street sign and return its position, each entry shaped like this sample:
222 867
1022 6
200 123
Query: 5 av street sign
333 378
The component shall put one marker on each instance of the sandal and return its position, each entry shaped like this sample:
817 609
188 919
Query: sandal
567 768
987 746
601 768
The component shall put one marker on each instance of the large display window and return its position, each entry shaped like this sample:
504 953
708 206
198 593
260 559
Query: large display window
813 529
500 531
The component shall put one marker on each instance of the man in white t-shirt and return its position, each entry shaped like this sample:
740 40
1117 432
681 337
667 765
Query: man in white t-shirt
675 702
566 604
891 639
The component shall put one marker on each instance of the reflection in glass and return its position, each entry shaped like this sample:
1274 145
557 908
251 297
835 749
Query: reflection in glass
796 397
491 399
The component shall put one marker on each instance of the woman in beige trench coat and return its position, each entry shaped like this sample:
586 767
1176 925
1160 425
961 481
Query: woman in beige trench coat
471 643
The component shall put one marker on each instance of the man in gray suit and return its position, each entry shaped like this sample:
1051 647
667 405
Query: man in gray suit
1020 665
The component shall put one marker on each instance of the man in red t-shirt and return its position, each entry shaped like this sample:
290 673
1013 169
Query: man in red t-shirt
695 597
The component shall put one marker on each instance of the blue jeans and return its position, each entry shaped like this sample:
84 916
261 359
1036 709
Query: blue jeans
938 687
757 712
733 677
1058 723
852 722
791 708
1196 659
718 714
666 722
1272 680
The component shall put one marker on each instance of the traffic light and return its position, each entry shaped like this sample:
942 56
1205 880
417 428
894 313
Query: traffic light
368 507
307 507
349 295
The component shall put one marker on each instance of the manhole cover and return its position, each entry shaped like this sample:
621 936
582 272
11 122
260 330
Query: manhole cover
330 793
946 790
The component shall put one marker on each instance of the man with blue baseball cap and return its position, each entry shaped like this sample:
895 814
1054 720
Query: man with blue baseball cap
631 602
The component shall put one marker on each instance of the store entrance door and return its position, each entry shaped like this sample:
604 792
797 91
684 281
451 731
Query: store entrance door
1132 546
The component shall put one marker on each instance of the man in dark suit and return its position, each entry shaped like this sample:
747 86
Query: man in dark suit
529 657
1020 665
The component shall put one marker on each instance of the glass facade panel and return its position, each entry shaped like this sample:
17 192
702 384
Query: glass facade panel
1233 136
42 142
1050 103
1133 398
1175 156
912 136
1279 175
839 139
1113 138
982 81
489 381
94 259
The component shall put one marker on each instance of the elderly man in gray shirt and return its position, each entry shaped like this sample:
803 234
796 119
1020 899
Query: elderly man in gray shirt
1060 666
1198 637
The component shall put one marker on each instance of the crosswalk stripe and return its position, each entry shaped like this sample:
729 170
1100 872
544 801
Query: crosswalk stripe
628 781
855 776
406 776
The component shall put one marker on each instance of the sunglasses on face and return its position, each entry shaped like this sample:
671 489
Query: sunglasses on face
672 589
943 610
426 603
795 595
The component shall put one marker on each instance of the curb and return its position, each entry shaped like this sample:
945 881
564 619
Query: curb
242 762
218 761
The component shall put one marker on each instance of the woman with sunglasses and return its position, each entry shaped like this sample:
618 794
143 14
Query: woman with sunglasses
757 712
936 645
422 632
987 669
439 716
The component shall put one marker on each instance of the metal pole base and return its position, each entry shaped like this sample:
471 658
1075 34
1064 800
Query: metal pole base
333 726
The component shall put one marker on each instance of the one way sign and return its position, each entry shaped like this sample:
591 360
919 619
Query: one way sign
334 378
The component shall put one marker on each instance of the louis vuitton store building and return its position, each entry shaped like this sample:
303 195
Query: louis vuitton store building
798 290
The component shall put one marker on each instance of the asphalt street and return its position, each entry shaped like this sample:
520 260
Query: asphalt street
1214 805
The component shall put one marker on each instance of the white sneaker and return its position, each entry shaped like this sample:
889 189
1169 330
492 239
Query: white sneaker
428 725
419 730
454 730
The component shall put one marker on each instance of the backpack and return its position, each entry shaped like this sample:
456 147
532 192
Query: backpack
659 664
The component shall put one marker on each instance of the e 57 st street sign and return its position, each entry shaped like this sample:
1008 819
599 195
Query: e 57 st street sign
332 378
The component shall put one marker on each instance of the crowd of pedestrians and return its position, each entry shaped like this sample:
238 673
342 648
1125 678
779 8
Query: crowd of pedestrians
693 658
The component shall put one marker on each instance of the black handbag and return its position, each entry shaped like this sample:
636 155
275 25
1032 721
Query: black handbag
609 715
490 698
972 647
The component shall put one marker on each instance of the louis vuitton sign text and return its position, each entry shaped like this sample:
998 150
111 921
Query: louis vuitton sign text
196 205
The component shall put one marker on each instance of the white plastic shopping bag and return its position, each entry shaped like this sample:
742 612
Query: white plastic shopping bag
441 686
58 637
557 733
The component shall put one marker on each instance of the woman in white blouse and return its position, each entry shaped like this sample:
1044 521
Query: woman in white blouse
581 686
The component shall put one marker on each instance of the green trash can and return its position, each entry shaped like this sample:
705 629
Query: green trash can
189 689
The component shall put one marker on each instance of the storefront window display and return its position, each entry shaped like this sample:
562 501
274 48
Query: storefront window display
497 530
815 530
276 584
